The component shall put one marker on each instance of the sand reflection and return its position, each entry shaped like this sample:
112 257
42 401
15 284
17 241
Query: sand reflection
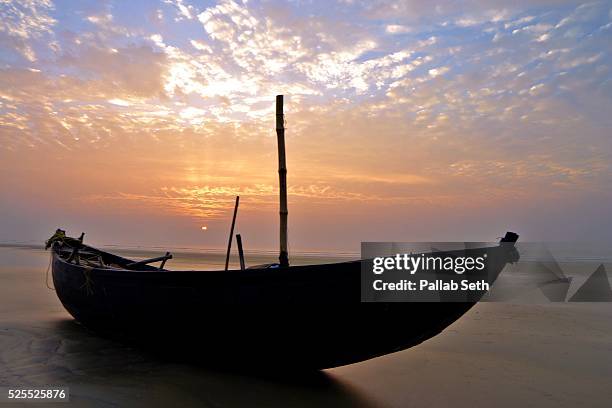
102 372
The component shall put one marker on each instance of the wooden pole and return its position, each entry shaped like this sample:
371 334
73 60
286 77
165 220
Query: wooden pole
282 178
162 258
231 236
240 252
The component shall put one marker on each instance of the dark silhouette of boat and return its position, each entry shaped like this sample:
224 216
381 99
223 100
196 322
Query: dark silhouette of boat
266 316
298 316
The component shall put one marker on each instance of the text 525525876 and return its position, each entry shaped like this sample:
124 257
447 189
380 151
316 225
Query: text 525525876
55 394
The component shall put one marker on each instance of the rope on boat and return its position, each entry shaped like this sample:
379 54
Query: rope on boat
47 273
88 285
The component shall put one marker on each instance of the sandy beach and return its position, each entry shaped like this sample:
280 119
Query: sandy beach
499 354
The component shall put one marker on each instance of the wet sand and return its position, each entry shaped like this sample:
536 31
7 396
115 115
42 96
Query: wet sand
497 355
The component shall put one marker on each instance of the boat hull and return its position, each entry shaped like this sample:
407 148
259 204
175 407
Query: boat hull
300 317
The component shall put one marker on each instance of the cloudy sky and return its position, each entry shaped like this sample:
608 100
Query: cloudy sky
139 122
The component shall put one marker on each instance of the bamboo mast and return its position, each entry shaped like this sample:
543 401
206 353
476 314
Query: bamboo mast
229 244
282 178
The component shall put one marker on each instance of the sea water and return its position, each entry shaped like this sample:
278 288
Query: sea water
498 354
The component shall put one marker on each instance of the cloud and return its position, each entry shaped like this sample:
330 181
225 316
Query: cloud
184 11
423 10
434 72
398 29
252 43
21 23
132 70
119 102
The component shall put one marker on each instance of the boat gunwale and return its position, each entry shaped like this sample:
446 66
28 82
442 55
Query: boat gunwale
154 270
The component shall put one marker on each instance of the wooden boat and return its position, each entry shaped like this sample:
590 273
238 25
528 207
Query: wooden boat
299 316
292 316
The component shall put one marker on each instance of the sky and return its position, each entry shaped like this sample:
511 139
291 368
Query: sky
139 122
